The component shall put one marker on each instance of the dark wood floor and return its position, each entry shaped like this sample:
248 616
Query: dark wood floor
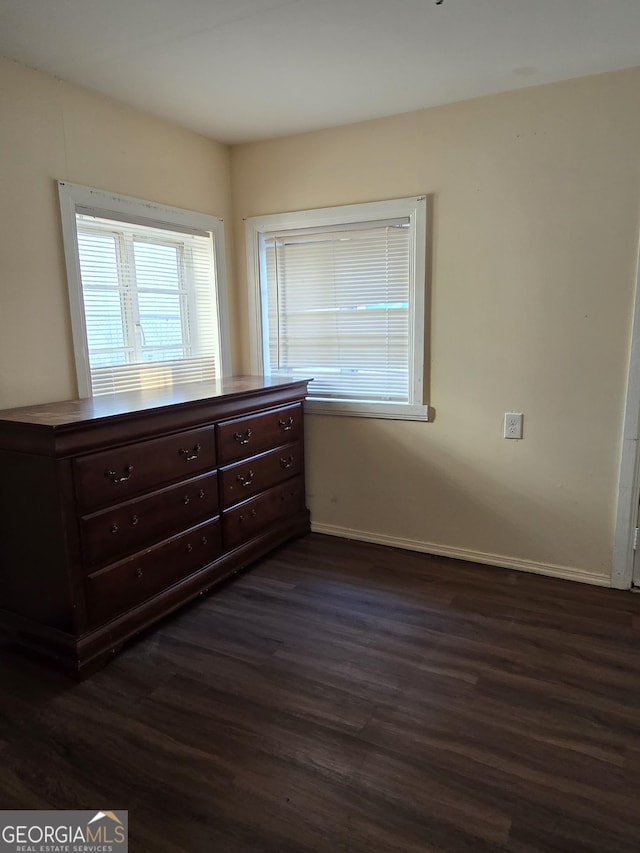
348 697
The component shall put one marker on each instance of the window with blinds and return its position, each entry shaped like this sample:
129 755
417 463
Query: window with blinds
342 303
145 297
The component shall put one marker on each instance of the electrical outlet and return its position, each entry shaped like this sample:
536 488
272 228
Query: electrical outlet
512 425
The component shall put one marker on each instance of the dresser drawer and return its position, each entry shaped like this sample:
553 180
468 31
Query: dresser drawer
245 479
250 518
244 437
112 476
117 531
123 585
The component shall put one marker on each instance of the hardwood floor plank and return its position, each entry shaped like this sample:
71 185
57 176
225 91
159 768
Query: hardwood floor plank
302 696
343 697
513 769
554 829
311 767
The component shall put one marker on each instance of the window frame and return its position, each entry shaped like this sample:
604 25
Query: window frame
415 208
75 198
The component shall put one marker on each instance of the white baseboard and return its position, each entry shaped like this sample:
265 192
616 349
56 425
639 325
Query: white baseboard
563 572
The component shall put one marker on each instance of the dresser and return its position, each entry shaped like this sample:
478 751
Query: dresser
116 510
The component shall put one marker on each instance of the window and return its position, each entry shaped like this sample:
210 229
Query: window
337 295
147 292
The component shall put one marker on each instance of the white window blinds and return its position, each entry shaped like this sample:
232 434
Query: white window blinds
147 291
337 308
150 309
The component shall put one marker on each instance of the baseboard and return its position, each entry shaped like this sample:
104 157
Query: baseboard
563 572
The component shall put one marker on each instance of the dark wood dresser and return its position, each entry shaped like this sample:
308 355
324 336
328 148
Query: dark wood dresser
116 510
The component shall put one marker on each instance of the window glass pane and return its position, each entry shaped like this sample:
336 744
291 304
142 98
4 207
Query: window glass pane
104 319
149 287
107 359
156 265
98 259
139 296
338 310
160 319
162 355
102 299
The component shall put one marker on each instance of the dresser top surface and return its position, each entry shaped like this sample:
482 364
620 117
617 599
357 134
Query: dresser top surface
70 412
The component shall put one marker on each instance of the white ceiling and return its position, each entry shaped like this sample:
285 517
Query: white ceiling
238 70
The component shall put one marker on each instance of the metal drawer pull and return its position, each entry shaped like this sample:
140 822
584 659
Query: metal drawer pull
285 426
286 462
139 573
189 455
202 493
189 548
134 520
245 481
243 437
204 540
114 527
186 500
252 514
113 476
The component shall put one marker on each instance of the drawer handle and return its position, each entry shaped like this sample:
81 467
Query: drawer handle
204 540
243 437
114 527
202 493
189 548
186 500
252 514
138 573
134 520
113 476
286 462
245 481
190 455
287 425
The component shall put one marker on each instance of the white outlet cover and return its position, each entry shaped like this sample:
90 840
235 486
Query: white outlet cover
513 424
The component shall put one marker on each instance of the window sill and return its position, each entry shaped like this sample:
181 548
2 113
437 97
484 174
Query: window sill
389 411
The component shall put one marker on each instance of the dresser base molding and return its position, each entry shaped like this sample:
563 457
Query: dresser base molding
32 638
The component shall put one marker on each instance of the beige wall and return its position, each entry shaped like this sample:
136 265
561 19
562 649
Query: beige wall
535 221
535 209
52 131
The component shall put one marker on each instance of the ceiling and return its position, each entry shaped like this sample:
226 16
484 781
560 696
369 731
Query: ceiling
240 70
